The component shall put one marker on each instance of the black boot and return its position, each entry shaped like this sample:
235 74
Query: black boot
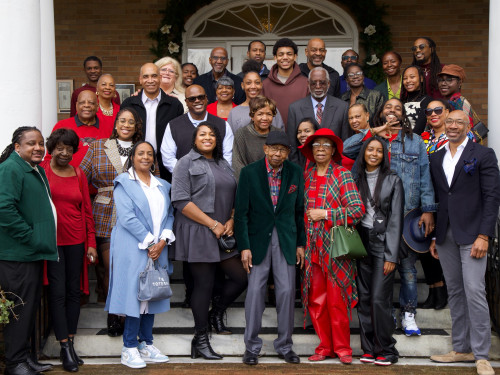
441 297
430 302
115 328
68 362
37 366
78 360
216 321
200 346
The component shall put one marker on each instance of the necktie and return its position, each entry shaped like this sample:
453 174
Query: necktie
319 113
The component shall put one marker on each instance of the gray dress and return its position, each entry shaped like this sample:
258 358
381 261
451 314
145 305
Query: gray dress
195 242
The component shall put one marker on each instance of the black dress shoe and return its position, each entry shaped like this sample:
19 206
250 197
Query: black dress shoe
39 367
290 357
441 299
22 368
250 358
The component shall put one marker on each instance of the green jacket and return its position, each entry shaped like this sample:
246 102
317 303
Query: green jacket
255 218
27 225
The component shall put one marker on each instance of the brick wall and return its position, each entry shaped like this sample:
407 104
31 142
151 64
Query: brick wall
460 30
117 30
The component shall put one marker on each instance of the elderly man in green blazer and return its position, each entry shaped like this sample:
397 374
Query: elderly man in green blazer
27 237
269 229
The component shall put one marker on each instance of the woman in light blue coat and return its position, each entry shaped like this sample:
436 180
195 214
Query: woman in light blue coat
143 228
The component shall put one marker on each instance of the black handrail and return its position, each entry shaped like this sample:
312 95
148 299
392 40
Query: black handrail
493 279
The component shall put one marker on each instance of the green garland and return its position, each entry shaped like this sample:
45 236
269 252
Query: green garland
168 37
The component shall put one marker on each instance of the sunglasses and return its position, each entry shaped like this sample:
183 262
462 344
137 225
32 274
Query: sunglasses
437 111
192 99
353 58
419 47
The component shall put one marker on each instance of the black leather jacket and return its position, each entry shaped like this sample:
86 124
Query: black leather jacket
391 203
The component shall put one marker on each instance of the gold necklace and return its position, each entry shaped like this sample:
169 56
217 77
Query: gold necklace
107 112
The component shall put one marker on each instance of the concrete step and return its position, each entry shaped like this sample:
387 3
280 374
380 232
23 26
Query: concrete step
93 316
92 343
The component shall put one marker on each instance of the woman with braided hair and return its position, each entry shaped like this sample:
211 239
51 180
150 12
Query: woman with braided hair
27 237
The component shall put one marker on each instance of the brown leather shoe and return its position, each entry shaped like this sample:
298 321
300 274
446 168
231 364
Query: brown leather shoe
453 356
483 367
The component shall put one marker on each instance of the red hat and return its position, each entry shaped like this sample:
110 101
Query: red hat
306 148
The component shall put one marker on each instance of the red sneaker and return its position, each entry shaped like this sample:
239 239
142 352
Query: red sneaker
367 358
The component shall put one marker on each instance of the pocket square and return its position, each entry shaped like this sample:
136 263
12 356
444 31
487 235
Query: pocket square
470 166
292 189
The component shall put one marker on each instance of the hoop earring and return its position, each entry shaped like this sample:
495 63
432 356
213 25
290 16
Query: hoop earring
153 168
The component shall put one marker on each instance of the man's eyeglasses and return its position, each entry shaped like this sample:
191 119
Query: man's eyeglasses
357 74
437 111
192 99
346 58
419 47
275 150
447 79
219 58
459 122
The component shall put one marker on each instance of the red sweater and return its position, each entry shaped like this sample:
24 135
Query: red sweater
87 135
77 92
108 122
284 94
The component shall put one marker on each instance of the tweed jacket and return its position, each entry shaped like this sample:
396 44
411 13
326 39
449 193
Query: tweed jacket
255 218
101 165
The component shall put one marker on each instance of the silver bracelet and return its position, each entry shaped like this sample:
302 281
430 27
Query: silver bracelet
216 223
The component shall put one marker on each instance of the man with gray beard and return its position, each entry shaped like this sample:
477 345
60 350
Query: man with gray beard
218 61
328 111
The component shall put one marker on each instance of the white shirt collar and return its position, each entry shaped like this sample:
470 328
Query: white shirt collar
145 98
461 147
154 181
193 121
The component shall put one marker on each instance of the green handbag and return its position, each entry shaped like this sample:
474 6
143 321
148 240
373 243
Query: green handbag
345 241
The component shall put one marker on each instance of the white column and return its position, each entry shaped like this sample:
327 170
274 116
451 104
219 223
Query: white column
22 67
48 67
494 78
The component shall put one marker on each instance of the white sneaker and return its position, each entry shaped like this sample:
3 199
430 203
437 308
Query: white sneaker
132 358
151 353
409 326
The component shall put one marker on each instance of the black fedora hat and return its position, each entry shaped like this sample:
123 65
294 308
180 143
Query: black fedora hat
413 235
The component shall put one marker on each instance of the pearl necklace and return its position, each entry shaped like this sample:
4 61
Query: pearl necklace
107 112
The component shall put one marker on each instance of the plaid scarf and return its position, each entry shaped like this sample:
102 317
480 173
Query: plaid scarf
339 194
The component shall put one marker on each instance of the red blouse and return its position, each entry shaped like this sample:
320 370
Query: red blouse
212 109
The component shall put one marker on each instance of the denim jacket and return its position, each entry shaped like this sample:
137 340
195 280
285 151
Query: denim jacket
412 167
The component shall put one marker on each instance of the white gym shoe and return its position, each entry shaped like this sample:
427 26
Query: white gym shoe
151 353
132 358
409 326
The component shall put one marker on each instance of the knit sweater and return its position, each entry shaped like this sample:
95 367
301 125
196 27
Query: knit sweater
248 147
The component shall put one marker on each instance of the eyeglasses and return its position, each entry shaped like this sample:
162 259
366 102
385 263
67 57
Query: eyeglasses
459 122
192 99
346 58
419 47
127 123
168 71
437 111
357 74
447 79
218 58
318 145
275 150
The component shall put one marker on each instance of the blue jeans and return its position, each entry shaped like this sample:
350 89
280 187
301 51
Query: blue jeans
142 327
408 291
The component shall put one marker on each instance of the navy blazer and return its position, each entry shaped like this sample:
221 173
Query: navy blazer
206 81
470 204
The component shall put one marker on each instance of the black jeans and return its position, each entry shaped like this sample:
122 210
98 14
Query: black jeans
25 280
64 289
375 299
204 276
